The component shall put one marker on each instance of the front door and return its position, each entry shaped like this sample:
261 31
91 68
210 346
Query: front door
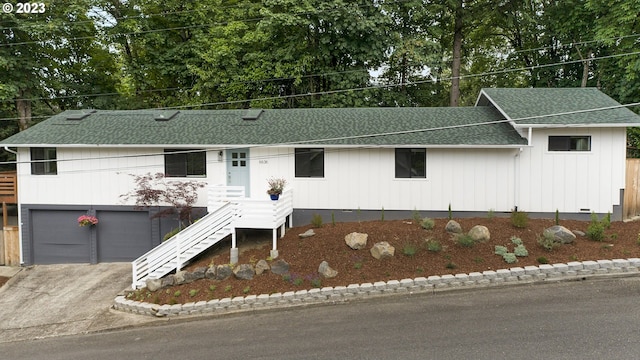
238 168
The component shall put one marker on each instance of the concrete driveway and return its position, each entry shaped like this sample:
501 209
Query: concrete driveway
53 300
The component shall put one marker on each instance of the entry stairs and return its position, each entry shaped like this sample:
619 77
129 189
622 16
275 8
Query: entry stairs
228 210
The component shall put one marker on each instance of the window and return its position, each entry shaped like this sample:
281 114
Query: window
411 163
43 161
184 163
569 143
309 162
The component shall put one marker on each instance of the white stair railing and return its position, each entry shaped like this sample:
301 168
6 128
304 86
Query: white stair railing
184 246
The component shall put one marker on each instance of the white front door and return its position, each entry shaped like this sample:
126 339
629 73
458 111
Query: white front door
238 168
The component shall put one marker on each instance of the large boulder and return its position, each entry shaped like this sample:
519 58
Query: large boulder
453 227
154 284
280 267
356 241
479 233
382 250
223 272
262 266
210 273
326 271
560 234
244 272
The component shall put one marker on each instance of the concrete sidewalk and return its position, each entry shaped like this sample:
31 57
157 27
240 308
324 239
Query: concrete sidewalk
53 300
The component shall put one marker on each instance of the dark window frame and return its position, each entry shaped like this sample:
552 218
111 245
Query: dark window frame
309 162
410 163
44 161
185 163
569 143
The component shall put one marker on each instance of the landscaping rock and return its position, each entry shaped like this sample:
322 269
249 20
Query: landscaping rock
356 241
244 272
178 278
210 273
578 233
262 266
326 271
168 280
480 233
154 284
307 234
199 272
280 267
453 227
560 234
223 272
382 250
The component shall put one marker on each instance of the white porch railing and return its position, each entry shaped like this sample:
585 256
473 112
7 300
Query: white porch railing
229 209
184 246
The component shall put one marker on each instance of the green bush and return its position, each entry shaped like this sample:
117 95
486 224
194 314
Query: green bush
501 250
520 251
542 260
595 230
547 241
409 249
427 223
465 240
516 240
171 233
434 245
510 258
519 219
316 221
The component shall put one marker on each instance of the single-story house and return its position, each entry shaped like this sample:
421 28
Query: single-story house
536 150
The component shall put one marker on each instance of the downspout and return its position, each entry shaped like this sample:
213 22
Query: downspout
516 171
6 148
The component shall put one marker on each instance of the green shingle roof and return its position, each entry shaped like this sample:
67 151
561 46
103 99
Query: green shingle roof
323 126
531 106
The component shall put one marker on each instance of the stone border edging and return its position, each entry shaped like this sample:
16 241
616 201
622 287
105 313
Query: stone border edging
514 275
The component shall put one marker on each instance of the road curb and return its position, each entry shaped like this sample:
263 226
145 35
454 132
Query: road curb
575 270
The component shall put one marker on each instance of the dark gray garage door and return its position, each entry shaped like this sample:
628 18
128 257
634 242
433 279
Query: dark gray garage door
123 235
57 238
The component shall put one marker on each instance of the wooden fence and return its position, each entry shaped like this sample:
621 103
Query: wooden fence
631 205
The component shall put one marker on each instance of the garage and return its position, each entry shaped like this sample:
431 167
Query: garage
54 236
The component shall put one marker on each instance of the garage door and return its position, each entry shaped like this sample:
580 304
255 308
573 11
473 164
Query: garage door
57 238
123 235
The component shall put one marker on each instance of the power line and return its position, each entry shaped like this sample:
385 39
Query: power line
322 141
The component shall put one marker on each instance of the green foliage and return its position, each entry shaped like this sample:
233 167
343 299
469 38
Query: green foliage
490 214
520 251
357 265
516 240
246 290
193 292
542 260
427 223
177 293
333 219
465 240
557 219
595 230
382 214
547 241
449 212
212 288
170 234
519 219
606 221
316 282
316 221
501 250
451 265
228 288
510 258
434 245
416 216
409 249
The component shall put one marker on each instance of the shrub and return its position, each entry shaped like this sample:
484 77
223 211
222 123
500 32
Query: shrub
501 250
409 249
557 217
520 251
434 245
595 230
490 214
451 265
193 292
170 234
510 258
606 221
465 240
547 241
416 216
542 260
177 293
519 219
516 240
427 223
450 213
316 221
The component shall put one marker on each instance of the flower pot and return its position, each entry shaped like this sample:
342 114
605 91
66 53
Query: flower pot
274 196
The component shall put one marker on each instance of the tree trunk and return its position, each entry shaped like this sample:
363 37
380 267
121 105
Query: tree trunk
23 105
457 53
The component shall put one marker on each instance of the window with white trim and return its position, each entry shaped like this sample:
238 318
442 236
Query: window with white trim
309 162
185 163
43 161
411 163
569 143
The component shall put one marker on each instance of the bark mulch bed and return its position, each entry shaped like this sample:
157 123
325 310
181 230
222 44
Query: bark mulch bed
412 257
